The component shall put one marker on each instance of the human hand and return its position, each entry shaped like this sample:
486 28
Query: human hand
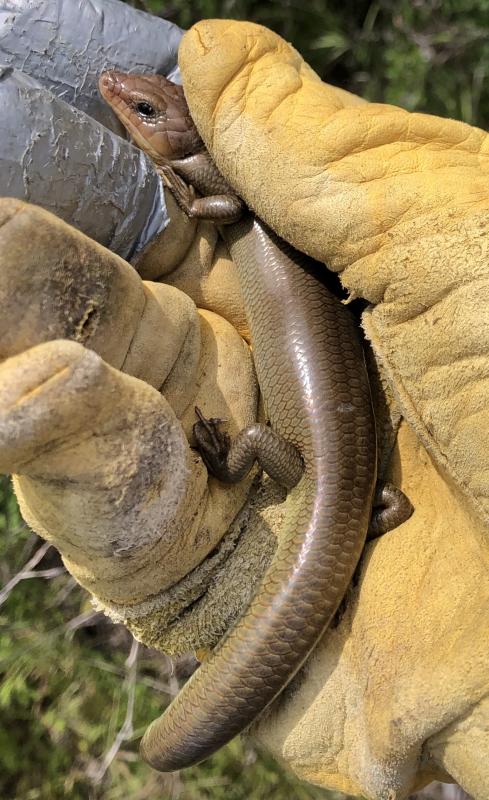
395 203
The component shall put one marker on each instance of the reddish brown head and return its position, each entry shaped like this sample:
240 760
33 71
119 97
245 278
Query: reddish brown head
154 112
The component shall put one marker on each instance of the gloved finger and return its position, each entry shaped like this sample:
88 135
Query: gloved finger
66 162
52 155
104 305
65 45
103 466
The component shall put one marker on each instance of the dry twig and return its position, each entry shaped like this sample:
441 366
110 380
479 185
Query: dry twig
127 729
27 572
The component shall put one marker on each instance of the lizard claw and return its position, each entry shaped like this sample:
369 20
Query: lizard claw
213 444
183 193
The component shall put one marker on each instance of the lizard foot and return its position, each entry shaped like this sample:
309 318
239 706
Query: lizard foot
183 193
391 508
213 444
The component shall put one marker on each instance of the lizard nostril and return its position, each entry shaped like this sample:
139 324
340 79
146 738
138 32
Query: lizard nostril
107 82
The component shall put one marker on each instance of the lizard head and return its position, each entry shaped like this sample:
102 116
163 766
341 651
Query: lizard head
154 112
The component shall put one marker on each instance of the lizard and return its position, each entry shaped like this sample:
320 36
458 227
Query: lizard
321 442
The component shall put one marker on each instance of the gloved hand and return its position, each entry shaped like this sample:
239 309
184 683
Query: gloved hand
380 705
61 146
396 203
102 462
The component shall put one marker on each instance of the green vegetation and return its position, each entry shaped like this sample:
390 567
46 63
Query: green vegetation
70 680
427 55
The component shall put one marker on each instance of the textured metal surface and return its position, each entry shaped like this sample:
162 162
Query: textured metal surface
311 371
66 44
59 158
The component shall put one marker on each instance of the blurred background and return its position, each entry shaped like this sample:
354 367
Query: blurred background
76 692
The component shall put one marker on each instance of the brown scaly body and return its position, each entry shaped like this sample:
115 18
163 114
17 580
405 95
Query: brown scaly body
310 366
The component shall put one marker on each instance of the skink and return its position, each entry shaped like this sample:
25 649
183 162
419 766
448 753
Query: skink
321 444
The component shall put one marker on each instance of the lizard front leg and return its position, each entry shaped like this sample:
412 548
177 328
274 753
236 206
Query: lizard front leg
222 209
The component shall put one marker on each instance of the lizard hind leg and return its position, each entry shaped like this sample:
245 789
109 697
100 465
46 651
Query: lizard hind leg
230 461
391 508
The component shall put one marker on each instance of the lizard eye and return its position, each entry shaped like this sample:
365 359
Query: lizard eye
145 109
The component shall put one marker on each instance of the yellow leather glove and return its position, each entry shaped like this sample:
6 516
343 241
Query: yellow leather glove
397 204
